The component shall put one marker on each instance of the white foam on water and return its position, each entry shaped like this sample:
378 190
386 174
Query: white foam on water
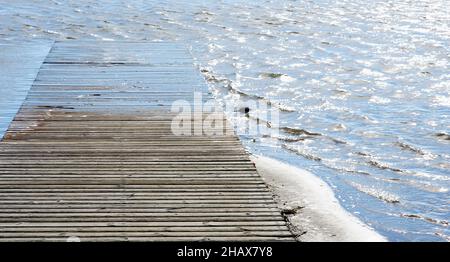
287 79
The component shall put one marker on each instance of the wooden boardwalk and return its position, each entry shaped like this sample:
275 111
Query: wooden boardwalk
19 65
91 155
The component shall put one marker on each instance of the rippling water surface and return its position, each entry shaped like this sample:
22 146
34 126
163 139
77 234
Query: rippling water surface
363 86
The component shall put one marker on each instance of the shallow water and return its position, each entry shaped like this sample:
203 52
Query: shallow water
19 64
363 86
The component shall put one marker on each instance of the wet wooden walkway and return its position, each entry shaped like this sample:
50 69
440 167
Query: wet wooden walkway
90 155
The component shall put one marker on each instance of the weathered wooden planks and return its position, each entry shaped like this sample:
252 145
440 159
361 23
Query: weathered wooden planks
19 65
91 155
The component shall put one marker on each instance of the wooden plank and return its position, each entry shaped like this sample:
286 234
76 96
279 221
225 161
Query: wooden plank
141 224
147 239
91 154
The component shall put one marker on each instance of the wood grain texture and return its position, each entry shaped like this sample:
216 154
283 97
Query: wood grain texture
91 154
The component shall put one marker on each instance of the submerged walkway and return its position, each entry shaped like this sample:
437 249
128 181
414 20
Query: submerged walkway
91 155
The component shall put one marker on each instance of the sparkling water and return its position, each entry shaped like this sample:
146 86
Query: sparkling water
363 87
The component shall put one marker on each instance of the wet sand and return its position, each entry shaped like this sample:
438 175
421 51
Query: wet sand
310 205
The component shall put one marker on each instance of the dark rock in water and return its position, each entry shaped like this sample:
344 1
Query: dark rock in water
272 75
409 148
244 110
383 166
362 154
428 219
443 136
296 131
291 140
411 216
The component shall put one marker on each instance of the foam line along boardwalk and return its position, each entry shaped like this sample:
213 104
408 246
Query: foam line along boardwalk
90 154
